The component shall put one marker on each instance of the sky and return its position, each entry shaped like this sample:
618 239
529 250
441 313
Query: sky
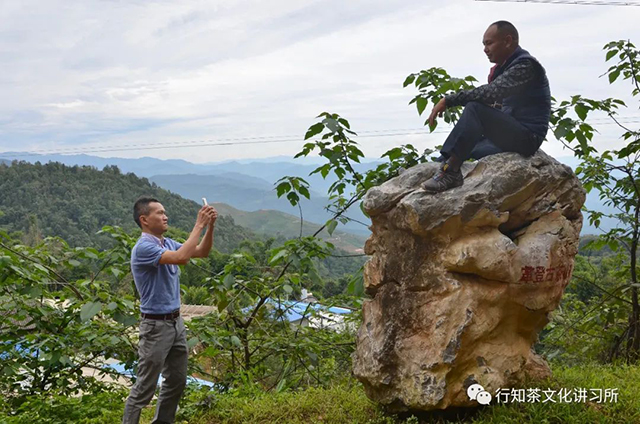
138 75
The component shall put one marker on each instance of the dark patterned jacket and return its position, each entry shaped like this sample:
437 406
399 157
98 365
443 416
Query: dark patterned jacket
519 88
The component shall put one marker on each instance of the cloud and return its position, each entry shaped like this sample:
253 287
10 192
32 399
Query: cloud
102 73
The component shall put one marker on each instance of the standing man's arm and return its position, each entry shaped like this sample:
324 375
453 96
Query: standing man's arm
188 249
203 249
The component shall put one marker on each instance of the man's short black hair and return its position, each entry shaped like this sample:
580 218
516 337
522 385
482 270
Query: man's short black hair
506 28
141 207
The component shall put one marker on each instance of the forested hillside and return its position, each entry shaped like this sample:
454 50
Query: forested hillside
74 202
250 193
279 224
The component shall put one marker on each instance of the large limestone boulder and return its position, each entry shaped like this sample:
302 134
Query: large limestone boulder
462 282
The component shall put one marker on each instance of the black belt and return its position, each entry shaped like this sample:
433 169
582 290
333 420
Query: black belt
172 315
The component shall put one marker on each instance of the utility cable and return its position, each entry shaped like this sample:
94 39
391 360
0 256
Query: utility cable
252 140
570 2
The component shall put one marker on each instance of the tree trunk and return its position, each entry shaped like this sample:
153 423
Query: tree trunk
633 345
633 341
244 339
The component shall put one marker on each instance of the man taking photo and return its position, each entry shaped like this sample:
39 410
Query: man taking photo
163 344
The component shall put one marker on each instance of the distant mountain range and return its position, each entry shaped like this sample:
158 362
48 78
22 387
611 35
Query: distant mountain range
252 194
248 185
244 185
268 169
276 223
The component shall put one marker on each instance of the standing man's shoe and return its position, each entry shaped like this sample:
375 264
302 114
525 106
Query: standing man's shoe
444 179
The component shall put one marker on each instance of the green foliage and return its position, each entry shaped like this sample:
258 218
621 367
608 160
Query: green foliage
93 408
293 187
341 151
53 326
399 158
250 339
433 84
613 174
335 144
590 324
196 295
627 65
337 404
75 202
346 402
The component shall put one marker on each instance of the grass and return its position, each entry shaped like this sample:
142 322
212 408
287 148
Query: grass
348 404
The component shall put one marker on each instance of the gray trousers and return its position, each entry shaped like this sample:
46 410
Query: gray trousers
162 348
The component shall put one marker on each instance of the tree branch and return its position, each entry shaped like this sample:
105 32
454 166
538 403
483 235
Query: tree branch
63 280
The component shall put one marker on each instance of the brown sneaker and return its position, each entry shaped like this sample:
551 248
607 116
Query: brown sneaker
444 179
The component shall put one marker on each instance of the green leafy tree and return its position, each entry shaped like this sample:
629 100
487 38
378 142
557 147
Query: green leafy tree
614 175
251 339
53 327
433 84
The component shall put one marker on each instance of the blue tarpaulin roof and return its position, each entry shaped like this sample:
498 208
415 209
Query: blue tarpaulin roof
295 309
119 368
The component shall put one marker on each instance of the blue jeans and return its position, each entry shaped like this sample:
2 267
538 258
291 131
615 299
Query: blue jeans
483 130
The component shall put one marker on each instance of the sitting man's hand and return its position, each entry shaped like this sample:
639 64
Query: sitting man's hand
437 110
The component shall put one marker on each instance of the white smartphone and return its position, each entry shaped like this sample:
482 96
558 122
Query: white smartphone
204 201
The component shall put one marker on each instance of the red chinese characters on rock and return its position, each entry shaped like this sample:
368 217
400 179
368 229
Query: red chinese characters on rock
538 274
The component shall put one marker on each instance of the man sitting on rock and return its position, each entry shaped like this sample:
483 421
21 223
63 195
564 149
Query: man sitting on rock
509 114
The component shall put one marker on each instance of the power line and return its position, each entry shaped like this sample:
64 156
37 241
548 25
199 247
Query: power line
572 2
206 143
254 140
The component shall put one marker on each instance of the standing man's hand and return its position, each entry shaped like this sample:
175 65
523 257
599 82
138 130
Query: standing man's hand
206 219
437 110
214 216
204 216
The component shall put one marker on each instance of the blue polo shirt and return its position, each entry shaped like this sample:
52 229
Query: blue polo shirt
158 285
